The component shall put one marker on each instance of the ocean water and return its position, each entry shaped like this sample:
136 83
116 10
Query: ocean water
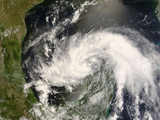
93 60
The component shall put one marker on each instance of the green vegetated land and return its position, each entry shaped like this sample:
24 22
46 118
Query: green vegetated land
13 102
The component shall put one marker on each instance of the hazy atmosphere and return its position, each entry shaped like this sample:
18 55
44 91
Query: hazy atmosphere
79 59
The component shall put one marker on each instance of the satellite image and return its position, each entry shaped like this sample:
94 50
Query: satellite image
79 60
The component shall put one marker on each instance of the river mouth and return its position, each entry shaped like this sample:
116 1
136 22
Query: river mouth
88 58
